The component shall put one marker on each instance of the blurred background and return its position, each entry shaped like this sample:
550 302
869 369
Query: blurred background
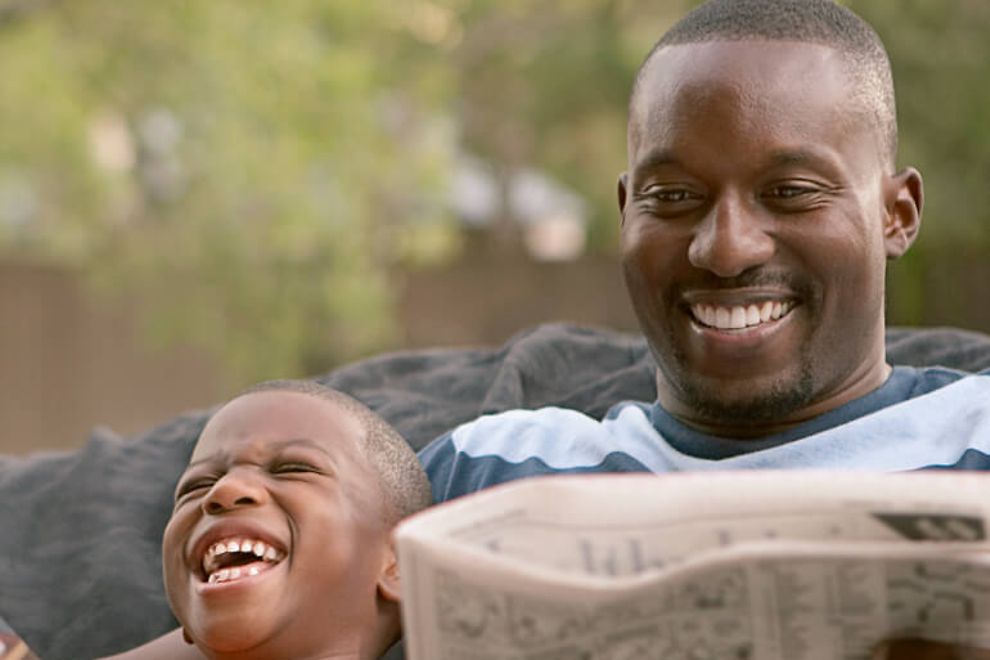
198 195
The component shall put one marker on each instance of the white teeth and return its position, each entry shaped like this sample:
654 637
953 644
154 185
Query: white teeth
710 316
738 317
259 549
236 573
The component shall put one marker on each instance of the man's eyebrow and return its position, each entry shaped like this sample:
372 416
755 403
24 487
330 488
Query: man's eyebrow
786 157
274 444
655 159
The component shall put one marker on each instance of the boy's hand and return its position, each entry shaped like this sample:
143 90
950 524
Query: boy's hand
916 649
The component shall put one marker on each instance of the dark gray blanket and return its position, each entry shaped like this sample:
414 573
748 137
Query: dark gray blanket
80 532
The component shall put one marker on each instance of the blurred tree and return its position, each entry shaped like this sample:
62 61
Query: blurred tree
545 85
941 57
249 170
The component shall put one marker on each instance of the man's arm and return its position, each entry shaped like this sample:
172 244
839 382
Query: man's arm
170 646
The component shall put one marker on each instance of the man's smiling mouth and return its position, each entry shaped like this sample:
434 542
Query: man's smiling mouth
739 317
235 558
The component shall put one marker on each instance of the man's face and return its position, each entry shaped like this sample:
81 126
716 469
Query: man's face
277 539
757 216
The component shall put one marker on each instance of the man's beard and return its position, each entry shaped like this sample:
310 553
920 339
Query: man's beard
708 403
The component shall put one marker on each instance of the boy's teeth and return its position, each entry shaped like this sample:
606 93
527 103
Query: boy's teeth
259 549
235 573
738 317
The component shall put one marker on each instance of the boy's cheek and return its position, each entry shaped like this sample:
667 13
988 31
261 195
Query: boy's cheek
173 550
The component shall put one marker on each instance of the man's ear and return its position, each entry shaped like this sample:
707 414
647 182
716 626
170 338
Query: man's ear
904 199
623 182
388 577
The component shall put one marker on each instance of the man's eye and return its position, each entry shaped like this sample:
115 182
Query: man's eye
788 192
670 195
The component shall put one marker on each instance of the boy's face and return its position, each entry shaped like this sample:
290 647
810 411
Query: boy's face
277 540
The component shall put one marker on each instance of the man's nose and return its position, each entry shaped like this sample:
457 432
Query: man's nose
730 239
237 489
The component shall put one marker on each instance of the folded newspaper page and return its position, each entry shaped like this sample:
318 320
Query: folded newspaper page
753 565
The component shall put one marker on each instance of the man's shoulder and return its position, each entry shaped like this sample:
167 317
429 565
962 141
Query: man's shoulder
521 443
520 431
929 379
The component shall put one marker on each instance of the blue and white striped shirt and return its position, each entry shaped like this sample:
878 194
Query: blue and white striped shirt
920 418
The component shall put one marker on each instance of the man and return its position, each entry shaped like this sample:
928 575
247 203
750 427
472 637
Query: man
758 211
759 208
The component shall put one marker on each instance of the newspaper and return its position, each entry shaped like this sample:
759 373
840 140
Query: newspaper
754 565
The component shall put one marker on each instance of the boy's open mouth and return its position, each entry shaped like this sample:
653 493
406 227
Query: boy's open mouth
234 558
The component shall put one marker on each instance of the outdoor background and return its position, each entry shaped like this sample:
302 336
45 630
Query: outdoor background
198 195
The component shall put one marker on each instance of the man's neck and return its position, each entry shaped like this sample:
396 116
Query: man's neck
746 428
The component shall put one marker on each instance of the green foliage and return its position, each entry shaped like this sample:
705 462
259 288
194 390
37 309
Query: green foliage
940 54
250 171
545 84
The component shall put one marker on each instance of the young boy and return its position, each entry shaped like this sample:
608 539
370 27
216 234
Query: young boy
279 542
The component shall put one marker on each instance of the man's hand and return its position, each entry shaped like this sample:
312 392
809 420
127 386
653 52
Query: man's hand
916 649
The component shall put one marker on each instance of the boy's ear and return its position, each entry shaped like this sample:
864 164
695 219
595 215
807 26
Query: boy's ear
904 200
388 577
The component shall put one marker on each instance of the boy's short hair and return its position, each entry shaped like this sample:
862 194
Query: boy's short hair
403 483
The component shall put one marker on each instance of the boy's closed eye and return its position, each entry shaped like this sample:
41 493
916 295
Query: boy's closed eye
194 484
198 483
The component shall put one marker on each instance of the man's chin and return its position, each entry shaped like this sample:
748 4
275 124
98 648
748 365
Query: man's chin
748 404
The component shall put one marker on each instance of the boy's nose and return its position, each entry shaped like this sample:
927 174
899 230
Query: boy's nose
234 490
730 240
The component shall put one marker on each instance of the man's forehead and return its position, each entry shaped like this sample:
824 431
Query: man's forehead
768 75
740 57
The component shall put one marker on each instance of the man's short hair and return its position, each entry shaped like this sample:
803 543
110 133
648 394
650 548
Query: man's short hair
403 483
810 21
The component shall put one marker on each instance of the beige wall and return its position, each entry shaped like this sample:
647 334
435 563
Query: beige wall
69 360
486 298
